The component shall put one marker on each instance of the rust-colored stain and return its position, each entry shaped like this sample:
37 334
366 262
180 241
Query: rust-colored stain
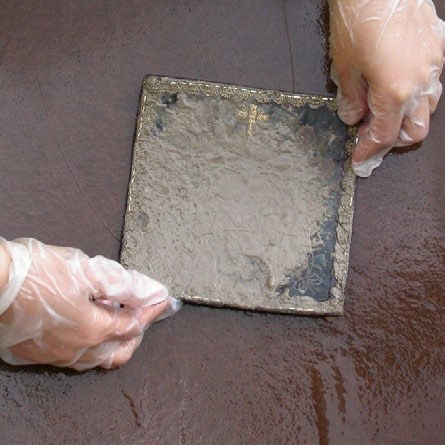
70 82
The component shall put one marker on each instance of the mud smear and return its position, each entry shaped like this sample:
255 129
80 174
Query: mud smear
243 211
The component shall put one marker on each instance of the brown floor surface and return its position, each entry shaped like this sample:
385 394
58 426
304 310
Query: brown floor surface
70 78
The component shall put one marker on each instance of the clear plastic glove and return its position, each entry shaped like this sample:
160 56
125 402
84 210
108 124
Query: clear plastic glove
62 308
387 56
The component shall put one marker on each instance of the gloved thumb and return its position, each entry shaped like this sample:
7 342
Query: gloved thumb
351 95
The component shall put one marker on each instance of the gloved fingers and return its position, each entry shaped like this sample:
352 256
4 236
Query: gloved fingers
352 92
110 281
7 356
111 340
125 348
380 133
399 123
89 358
442 27
376 138
127 324
122 353
174 307
44 351
27 351
110 354
415 125
437 48
434 92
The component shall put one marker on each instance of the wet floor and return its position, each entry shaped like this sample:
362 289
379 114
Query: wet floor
70 79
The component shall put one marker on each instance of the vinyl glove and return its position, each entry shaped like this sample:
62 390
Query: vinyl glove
62 308
387 56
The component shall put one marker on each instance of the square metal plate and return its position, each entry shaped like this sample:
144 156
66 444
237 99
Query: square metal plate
241 197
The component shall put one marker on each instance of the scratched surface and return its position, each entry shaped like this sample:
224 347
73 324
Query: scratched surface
235 200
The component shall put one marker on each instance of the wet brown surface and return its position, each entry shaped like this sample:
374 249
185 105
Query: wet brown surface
70 78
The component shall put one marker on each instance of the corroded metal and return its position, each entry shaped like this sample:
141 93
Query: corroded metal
301 289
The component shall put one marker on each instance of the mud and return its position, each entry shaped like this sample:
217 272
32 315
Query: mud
70 77
238 214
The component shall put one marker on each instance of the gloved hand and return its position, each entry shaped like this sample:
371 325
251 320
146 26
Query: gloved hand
387 56
61 307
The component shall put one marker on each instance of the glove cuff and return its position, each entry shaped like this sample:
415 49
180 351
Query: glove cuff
20 261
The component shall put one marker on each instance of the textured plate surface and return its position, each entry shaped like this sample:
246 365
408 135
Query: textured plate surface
241 197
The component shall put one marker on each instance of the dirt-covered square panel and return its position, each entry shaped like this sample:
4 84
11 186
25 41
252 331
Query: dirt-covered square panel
241 197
